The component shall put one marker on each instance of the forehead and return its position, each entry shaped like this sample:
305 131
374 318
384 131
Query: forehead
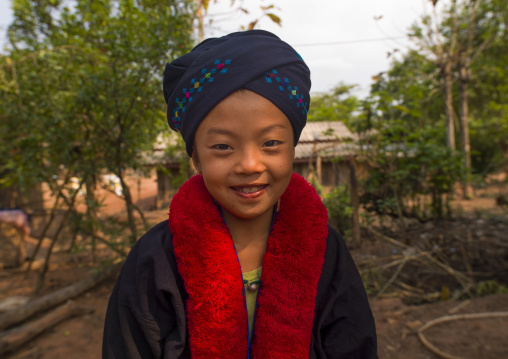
244 112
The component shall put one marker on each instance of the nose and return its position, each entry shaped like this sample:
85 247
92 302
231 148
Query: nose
250 161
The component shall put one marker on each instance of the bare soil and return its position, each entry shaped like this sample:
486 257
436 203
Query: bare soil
397 321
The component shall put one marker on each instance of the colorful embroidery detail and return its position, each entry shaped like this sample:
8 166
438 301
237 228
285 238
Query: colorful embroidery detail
206 76
283 84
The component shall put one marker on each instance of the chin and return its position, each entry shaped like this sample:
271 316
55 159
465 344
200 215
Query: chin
247 215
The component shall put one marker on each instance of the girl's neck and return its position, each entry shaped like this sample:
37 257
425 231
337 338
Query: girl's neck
244 231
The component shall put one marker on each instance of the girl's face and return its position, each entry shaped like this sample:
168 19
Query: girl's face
244 149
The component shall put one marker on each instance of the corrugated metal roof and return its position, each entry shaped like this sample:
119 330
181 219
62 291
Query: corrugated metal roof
325 150
325 131
328 139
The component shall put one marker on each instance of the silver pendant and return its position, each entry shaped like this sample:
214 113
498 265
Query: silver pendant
252 287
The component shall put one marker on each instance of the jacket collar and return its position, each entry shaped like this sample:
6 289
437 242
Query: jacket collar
292 265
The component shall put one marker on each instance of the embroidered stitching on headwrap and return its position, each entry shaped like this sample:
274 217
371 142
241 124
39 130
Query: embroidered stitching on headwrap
196 86
283 84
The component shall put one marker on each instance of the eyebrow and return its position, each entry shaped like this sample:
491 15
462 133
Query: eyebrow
223 131
219 131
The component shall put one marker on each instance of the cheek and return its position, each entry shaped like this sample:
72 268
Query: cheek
214 173
285 167
288 163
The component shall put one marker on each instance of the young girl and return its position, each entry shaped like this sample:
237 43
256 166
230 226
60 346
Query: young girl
246 266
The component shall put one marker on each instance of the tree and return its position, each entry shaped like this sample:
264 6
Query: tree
409 91
473 34
441 48
450 52
203 18
80 91
411 173
337 105
468 28
488 88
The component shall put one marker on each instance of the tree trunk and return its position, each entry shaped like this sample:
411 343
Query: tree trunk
50 221
42 274
15 338
446 72
355 202
464 124
46 302
91 210
200 15
43 234
319 170
310 174
129 206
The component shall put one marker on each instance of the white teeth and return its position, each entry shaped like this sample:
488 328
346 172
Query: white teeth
249 189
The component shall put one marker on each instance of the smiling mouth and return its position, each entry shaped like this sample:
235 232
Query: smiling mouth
249 189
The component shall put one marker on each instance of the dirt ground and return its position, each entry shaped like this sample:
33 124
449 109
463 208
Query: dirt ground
397 322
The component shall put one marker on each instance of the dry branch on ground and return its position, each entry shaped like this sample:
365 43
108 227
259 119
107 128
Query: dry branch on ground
51 300
439 261
15 338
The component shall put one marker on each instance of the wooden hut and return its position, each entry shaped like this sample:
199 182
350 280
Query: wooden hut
324 152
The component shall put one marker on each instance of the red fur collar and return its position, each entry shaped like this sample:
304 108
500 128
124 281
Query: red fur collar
292 264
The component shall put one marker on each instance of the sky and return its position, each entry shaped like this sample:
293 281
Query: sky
331 35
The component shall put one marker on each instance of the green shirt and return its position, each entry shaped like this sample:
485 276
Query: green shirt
252 277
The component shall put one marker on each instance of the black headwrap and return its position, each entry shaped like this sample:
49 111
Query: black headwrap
255 60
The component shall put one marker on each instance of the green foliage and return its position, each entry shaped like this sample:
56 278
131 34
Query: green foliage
371 277
340 211
82 81
410 172
489 141
479 36
489 89
490 287
337 105
80 87
407 91
176 151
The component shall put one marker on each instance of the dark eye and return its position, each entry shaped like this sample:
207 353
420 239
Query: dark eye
221 147
271 143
